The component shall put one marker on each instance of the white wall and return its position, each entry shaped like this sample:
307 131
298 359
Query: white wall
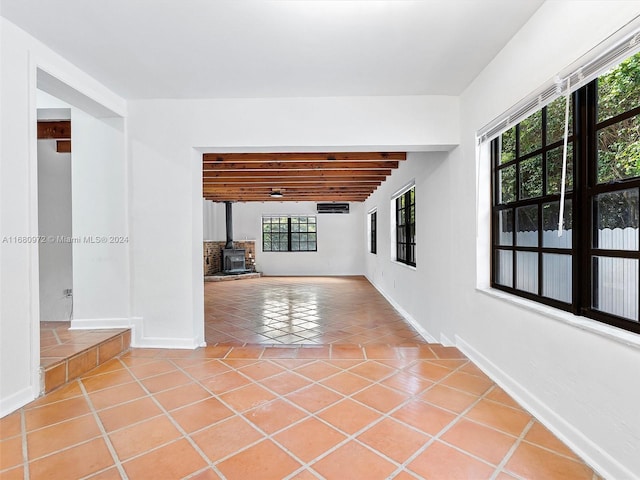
100 226
166 141
20 57
574 379
339 235
54 221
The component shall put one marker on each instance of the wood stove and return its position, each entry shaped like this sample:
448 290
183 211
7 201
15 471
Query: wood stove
233 260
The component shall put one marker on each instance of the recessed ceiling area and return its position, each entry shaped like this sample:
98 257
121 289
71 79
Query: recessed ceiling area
261 177
275 48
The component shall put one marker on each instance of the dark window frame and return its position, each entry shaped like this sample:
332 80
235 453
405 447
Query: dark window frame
373 232
288 234
585 190
405 205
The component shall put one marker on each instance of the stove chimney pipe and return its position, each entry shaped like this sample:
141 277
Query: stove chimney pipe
229 221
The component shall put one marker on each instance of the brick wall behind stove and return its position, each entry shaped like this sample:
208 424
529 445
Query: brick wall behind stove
213 255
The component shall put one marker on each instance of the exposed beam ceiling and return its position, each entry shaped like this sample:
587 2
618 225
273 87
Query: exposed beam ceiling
316 177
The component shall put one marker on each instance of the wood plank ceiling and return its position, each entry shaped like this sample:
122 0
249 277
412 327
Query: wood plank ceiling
315 177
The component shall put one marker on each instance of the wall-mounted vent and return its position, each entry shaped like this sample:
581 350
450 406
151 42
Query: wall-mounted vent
333 207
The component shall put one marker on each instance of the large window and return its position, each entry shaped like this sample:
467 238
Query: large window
405 207
373 232
289 234
592 268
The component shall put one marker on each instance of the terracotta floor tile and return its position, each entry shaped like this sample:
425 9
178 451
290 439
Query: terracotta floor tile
305 475
373 370
429 370
75 462
274 416
226 438
106 380
439 461
265 461
381 351
317 370
152 368
70 390
198 415
109 474
314 398
285 382
314 352
181 396
202 370
10 425
349 416
530 461
309 439
56 412
293 363
426 418
165 381
61 435
346 383
245 352
346 351
448 398
247 397
394 440
143 436
11 452
541 436
407 383
446 352
116 395
16 473
261 370
467 382
128 413
207 474
175 460
499 395
381 398
355 462
481 441
500 417
225 382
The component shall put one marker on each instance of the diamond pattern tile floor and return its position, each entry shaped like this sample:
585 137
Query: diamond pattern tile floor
404 410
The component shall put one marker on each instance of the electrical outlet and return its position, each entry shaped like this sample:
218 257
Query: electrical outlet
67 292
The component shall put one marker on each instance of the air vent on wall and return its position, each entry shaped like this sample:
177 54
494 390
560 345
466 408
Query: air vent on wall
333 207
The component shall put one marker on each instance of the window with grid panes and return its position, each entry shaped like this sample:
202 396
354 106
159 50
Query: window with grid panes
592 269
373 232
406 227
289 234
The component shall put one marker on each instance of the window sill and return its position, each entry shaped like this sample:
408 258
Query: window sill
410 267
593 326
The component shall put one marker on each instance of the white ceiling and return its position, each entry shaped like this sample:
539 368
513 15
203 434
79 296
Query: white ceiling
275 48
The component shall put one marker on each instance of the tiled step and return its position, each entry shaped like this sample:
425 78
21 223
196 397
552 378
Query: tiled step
109 344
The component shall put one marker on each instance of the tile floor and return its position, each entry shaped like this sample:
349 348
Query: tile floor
259 412
371 402
302 310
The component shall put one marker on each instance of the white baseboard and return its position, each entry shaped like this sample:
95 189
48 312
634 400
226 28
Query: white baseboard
99 323
17 400
157 342
419 328
603 463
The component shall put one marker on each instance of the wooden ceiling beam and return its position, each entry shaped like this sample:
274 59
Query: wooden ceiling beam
60 129
375 165
63 146
217 173
318 198
281 184
301 157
